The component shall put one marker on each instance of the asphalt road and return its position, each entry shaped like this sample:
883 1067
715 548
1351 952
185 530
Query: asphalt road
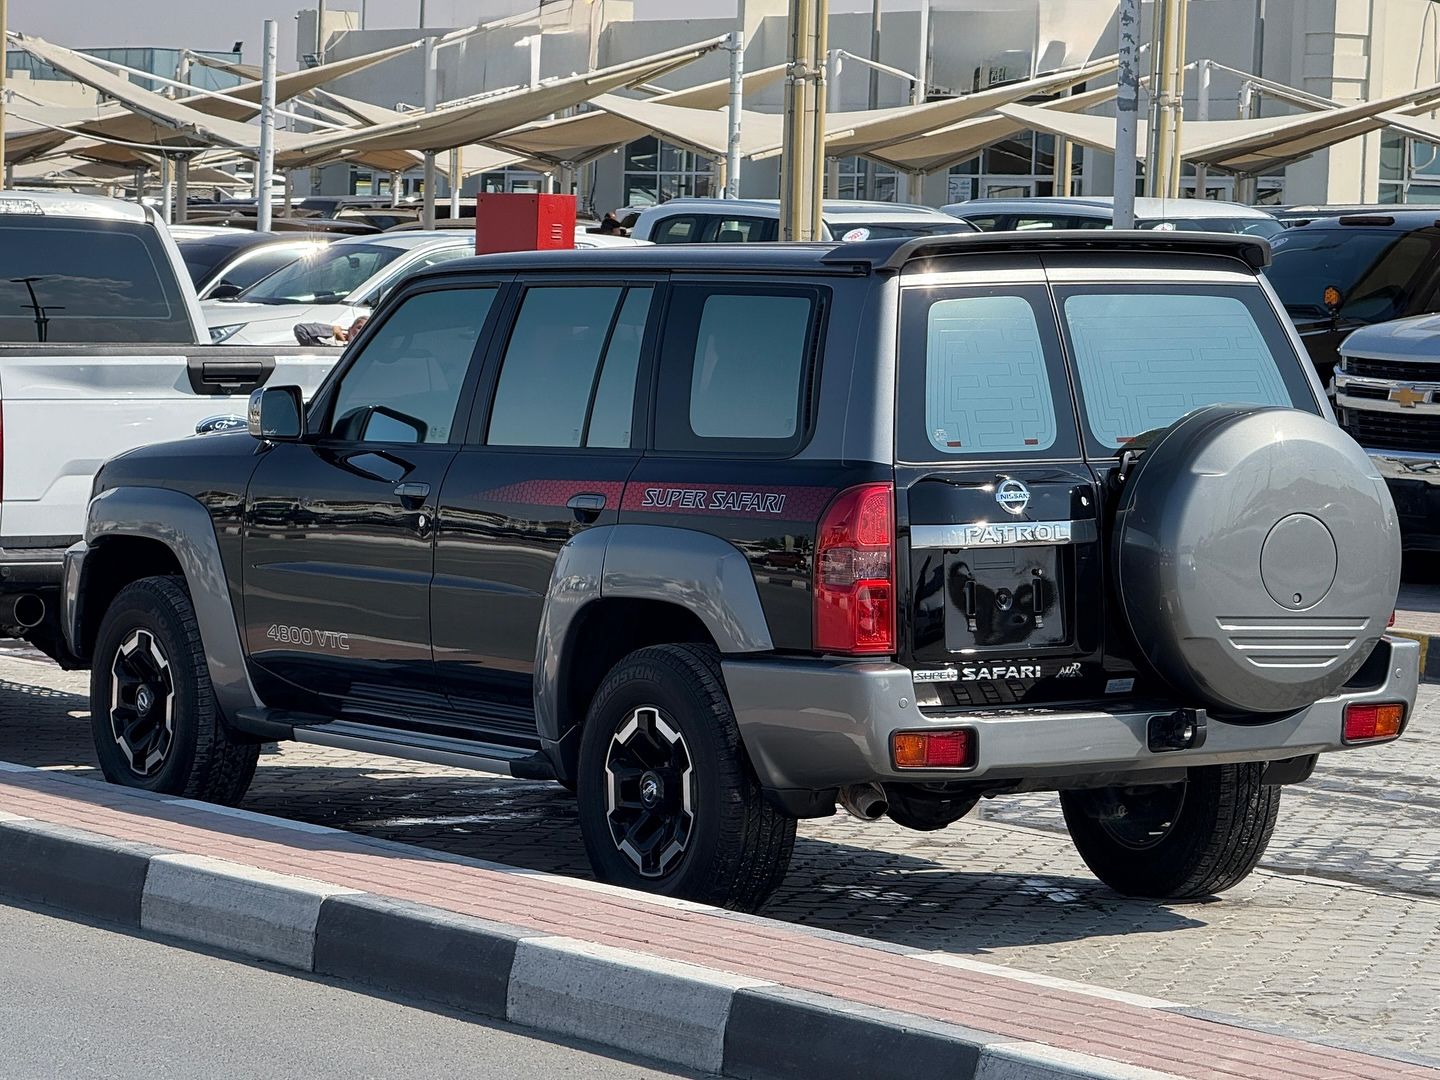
1337 935
77 1001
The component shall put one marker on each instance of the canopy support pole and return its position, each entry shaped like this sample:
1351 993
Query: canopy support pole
427 208
455 181
737 104
394 189
265 163
167 198
140 173
182 188
1127 108
1177 98
1202 113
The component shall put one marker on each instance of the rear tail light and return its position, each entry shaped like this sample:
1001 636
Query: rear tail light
855 573
1366 723
933 749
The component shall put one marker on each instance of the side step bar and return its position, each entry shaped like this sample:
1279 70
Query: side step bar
387 742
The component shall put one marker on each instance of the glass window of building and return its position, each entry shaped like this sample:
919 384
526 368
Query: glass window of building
657 171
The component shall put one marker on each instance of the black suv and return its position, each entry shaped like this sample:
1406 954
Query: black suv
720 537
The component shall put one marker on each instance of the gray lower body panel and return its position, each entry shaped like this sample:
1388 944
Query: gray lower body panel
811 725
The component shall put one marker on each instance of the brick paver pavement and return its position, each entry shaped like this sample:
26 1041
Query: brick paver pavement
1339 936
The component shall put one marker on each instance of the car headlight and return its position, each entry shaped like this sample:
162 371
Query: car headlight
224 333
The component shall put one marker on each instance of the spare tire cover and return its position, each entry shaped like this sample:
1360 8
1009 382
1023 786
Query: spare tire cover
1257 557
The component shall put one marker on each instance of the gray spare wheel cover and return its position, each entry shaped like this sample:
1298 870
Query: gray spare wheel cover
1258 557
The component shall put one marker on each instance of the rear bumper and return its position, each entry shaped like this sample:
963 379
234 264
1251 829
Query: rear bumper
26 569
814 725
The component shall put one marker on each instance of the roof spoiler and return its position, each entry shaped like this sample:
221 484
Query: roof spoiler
894 254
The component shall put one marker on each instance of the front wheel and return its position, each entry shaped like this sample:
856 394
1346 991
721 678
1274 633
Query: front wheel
153 712
668 801
1178 841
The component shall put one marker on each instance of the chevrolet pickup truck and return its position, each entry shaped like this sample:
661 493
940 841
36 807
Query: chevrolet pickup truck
102 349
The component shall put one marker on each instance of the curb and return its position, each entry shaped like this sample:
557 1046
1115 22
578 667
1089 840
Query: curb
623 998
1429 657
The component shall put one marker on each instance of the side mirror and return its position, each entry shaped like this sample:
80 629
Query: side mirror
227 291
277 414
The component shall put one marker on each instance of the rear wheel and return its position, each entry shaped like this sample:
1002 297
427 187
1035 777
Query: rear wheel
1175 841
153 713
668 801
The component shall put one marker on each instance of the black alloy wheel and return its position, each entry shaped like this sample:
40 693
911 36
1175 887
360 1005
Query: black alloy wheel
142 702
650 791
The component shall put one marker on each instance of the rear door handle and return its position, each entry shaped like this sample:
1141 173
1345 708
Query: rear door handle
412 495
587 507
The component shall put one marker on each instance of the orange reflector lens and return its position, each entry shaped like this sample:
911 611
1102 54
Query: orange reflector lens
1365 722
1331 296
933 749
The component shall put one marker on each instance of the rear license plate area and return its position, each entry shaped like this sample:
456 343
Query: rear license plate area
1003 597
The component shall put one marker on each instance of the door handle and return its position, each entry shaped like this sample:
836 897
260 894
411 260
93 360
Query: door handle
412 495
587 507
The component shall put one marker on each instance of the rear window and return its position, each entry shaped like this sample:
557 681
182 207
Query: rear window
1375 270
75 281
1145 356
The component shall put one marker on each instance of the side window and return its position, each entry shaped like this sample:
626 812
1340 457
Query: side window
568 374
677 230
737 230
259 266
405 386
736 368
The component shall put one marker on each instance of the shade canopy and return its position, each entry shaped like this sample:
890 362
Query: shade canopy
476 121
716 95
958 143
849 133
1241 146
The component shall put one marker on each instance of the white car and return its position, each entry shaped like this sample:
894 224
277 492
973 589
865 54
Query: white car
335 285
742 221
1098 212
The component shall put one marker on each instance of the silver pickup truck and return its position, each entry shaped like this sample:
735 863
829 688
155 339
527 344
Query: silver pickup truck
102 349
1387 392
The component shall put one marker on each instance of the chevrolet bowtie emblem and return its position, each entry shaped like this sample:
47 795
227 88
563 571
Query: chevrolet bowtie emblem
1407 397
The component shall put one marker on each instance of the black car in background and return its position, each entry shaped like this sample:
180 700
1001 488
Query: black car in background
1381 265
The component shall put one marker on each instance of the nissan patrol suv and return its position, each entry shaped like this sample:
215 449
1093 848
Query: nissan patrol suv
720 537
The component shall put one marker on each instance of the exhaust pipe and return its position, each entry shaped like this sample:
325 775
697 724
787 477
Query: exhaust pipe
864 801
23 612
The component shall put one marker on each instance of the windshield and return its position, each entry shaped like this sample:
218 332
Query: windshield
889 230
1374 270
202 260
1245 226
326 277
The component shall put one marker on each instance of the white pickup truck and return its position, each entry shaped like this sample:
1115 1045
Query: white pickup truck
102 348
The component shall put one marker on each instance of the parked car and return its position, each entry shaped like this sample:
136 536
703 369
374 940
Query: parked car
720 538
739 221
102 348
1303 214
224 262
1387 391
1380 266
1096 212
335 285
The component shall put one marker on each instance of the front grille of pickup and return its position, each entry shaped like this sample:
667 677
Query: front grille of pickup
1394 430
1292 641
1403 370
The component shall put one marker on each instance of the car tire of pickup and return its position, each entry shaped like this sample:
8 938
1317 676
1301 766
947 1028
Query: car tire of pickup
1176 841
1257 558
153 713
668 800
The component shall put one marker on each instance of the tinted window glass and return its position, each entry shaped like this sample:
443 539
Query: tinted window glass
202 260
987 388
258 267
735 368
405 385
889 230
1145 357
677 230
327 277
982 377
87 281
739 230
1373 269
612 414
548 374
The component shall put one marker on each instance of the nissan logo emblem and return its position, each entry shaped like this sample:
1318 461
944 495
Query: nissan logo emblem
1013 496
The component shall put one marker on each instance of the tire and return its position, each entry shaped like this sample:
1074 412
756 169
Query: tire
1178 842
727 845
149 643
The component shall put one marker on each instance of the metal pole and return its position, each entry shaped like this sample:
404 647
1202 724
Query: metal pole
819 48
792 152
427 207
1202 114
139 177
265 164
455 181
737 105
182 188
1177 149
1127 108
320 31
422 15
4 62
167 188
920 88
867 167
1158 9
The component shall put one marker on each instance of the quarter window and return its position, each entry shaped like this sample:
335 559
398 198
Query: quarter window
553 384
736 368
678 230
405 386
